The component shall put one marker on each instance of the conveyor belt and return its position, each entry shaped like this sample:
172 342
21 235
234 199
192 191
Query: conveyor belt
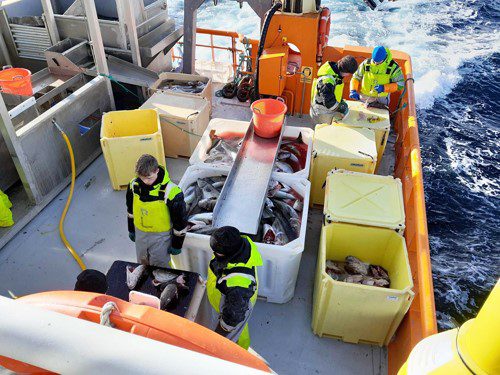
242 198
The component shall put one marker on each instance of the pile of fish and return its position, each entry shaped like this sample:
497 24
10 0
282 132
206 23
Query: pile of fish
224 148
292 154
281 217
171 285
355 271
191 87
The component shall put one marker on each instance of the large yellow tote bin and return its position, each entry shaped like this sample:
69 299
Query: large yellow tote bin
341 148
358 313
364 199
376 119
125 136
183 119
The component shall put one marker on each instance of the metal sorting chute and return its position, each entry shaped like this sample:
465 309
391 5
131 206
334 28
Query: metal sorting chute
242 198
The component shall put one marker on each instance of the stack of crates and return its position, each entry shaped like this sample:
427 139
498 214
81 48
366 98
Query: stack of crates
125 136
338 147
364 217
376 119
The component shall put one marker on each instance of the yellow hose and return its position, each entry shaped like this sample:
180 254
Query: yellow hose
68 201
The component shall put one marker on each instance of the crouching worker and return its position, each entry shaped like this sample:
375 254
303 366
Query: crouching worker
156 213
232 283
378 77
326 94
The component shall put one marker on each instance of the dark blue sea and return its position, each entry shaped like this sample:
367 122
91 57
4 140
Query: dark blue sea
455 53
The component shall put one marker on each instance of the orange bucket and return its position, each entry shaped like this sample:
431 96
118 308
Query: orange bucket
268 117
16 81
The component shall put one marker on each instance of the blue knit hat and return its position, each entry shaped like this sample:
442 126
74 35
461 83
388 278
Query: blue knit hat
379 54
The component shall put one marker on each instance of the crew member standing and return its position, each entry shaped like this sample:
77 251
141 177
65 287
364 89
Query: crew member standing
378 76
326 93
232 283
156 213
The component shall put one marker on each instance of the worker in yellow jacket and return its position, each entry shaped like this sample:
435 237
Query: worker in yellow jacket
232 283
157 221
378 77
327 89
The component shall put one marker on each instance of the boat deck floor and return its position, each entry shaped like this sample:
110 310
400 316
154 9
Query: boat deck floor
35 260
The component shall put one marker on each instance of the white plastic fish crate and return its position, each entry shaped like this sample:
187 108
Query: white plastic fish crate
224 125
278 275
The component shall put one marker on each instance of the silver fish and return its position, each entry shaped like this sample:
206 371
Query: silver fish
208 190
283 195
207 229
280 237
168 295
218 184
287 210
163 276
206 217
134 275
279 166
190 194
208 204
298 205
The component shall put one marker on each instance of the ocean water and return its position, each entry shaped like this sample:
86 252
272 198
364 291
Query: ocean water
455 53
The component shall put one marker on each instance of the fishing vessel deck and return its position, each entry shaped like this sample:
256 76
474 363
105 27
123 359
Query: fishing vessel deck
35 260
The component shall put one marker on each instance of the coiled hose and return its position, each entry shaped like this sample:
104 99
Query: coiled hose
262 41
68 201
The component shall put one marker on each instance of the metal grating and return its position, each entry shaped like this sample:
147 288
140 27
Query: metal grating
30 41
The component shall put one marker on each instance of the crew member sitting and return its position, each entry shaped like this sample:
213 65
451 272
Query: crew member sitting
326 93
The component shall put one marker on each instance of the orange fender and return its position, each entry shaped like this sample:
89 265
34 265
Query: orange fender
139 320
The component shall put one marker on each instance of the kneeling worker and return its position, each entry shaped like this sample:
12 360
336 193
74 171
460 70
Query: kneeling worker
326 94
379 76
156 213
232 283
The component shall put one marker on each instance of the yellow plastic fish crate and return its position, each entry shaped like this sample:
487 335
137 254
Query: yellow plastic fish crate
364 199
338 147
376 119
125 136
183 119
358 313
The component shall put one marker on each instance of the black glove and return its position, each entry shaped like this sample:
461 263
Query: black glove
221 331
131 235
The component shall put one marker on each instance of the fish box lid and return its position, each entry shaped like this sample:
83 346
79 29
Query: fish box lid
365 199
344 142
178 105
361 117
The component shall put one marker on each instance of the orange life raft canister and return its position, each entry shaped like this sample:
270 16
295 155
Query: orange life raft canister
140 320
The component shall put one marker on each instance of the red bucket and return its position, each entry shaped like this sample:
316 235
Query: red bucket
16 81
268 117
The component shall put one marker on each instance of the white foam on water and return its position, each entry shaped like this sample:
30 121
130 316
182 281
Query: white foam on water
468 163
406 25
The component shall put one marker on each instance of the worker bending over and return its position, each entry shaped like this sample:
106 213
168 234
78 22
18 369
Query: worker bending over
232 283
326 93
156 213
378 76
